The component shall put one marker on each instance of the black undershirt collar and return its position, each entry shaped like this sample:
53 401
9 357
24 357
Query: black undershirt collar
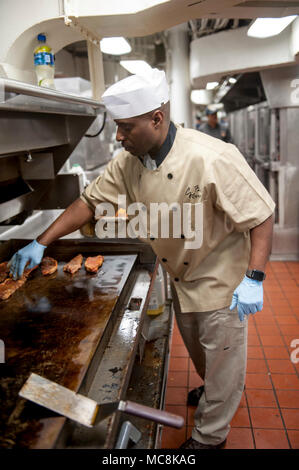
166 146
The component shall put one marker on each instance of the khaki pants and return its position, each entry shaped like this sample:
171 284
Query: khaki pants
217 344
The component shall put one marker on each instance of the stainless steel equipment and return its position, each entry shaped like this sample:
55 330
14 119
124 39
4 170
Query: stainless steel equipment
39 130
97 145
82 331
84 410
86 332
267 135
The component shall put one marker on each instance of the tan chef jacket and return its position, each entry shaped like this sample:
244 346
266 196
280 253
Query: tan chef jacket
198 168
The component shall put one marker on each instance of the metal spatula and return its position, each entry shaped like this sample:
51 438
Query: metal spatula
84 410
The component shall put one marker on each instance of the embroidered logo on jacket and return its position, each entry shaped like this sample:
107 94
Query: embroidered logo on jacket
193 192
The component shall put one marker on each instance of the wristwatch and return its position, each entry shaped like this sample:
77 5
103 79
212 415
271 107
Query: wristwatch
256 274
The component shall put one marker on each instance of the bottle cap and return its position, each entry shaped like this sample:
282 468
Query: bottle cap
41 37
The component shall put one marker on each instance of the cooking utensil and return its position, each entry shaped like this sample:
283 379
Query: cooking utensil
84 410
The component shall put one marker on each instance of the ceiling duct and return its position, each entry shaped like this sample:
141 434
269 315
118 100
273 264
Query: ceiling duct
205 26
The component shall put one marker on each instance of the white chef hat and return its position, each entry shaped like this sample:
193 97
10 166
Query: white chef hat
136 95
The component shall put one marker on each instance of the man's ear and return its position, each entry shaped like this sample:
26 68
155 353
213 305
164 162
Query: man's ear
158 117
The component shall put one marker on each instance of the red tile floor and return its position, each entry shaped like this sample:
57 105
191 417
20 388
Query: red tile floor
268 415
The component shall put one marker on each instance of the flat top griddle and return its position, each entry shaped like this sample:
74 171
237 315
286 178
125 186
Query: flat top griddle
52 326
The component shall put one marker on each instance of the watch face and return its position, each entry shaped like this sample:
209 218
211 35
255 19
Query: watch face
258 275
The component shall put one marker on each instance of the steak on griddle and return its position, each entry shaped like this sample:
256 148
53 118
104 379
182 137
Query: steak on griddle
9 286
74 265
48 265
4 271
93 263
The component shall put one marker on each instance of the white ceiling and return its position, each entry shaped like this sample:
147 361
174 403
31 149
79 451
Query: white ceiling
174 12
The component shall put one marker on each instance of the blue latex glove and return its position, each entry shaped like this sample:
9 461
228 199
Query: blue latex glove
32 253
248 297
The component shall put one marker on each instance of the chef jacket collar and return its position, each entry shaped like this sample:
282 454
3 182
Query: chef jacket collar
166 146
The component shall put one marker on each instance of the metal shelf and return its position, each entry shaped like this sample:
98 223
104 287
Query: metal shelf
15 86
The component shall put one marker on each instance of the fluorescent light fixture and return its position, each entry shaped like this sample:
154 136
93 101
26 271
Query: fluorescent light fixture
139 67
203 97
211 85
196 96
115 46
267 27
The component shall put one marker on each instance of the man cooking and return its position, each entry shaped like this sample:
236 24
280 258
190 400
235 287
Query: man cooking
216 286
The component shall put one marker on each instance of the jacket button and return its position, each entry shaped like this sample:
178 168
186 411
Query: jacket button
176 279
164 260
169 176
186 263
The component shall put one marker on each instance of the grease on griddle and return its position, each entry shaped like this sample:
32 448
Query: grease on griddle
58 344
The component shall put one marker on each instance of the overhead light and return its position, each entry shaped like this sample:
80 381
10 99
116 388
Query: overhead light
203 97
196 96
115 46
211 85
267 27
232 80
139 67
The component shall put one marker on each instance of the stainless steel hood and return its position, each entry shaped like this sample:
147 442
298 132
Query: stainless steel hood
39 130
